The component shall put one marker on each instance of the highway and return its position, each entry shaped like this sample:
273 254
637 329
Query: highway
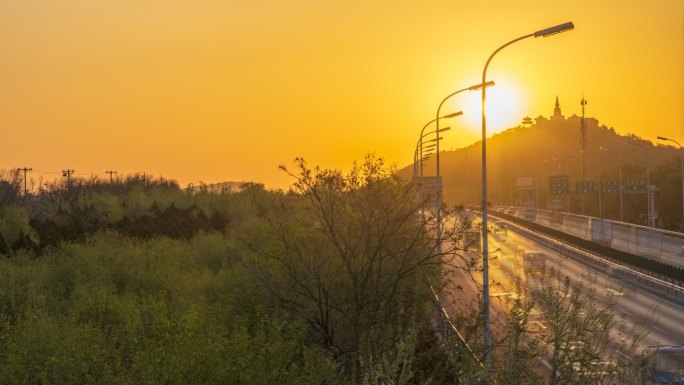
661 313
632 303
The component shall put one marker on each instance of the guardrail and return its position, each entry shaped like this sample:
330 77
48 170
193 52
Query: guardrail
445 315
597 255
669 233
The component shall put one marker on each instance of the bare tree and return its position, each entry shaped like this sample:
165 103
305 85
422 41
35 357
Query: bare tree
353 254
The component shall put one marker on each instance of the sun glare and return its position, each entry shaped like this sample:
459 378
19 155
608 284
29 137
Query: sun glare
503 109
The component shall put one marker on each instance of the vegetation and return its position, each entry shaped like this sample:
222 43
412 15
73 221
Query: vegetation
327 283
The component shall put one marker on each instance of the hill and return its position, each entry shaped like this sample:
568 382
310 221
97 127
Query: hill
552 146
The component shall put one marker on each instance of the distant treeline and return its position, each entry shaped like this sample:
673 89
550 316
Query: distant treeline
134 206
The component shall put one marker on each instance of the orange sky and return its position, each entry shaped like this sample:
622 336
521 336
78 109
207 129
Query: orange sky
212 90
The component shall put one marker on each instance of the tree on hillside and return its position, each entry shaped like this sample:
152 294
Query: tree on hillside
15 231
10 188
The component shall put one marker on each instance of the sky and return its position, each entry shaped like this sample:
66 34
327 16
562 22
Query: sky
227 90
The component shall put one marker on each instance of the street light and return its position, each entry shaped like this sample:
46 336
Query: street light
471 88
427 155
682 169
422 135
430 149
417 154
620 187
485 251
420 141
424 148
475 87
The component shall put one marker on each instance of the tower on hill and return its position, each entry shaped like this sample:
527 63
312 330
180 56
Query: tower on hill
557 111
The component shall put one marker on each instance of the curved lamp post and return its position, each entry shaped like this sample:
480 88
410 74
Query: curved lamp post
485 251
682 169
420 147
420 153
422 135
417 156
475 87
432 143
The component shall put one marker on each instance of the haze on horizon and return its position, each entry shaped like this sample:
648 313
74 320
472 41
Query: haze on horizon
217 91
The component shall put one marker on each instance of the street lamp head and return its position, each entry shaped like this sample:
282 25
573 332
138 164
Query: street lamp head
453 115
554 30
478 86
433 140
433 132
670 140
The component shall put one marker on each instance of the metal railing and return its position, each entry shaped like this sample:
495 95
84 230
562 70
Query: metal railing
596 257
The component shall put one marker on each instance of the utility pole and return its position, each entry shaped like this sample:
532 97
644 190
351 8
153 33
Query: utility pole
649 204
67 174
622 212
111 178
583 131
25 170
682 170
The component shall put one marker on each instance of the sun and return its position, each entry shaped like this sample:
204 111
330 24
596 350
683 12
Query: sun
503 108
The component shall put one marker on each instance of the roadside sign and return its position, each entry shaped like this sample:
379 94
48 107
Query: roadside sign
609 187
634 186
559 184
431 187
525 182
584 187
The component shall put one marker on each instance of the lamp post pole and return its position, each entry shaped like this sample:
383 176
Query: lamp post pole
475 87
599 186
430 147
649 213
622 211
418 165
426 157
682 170
485 250
422 135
